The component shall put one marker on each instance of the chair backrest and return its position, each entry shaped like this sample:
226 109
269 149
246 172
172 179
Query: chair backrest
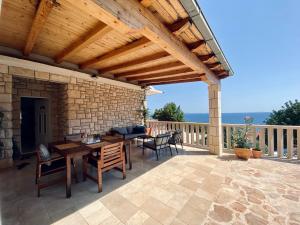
162 140
148 130
74 137
111 155
177 136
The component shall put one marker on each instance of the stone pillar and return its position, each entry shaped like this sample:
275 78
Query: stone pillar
215 136
6 133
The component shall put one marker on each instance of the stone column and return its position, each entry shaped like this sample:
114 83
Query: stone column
6 133
215 136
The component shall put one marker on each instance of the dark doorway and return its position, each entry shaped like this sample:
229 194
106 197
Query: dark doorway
27 125
34 123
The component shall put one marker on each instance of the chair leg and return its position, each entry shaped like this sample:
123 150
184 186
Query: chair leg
84 167
143 146
38 181
99 175
156 155
74 164
36 173
124 169
176 148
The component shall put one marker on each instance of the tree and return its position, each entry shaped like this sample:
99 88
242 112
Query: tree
289 114
170 112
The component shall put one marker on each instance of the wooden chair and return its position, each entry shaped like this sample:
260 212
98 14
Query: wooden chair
48 167
111 157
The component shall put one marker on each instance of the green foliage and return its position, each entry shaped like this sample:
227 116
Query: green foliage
289 114
241 135
170 112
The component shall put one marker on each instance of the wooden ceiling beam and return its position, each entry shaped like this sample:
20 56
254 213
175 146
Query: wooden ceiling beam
204 58
174 81
179 77
154 69
95 34
126 49
40 18
170 73
132 17
222 72
137 62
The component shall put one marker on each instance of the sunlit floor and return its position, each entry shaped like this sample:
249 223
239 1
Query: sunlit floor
192 187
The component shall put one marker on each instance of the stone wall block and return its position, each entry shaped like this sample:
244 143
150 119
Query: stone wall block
19 71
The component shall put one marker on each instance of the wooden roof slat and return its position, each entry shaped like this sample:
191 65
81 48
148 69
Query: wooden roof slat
155 69
174 81
196 46
136 62
170 73
90 37
131 16
126 49
40 18
179 77
180 26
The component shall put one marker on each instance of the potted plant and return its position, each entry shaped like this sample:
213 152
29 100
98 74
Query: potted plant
256 151
241 140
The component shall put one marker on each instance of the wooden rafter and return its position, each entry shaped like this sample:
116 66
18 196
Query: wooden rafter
179 77
204 58
170 73
196 46
137 62
131 16
38 23
98 32
221 72
213 65
126 49
174 81
180 26
154 69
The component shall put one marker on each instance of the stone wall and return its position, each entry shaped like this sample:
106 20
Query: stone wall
78 104
6 107
95 108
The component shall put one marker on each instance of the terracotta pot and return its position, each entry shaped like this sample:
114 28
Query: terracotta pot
256 153
243 153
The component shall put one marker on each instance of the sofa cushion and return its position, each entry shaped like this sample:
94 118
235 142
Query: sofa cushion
139 129
132 136
129 129
120 130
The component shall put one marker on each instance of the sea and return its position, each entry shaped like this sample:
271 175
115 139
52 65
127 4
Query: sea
234 118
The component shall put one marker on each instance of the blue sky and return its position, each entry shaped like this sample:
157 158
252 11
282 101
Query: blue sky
261 40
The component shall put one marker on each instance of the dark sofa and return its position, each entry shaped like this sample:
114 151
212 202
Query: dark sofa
129 132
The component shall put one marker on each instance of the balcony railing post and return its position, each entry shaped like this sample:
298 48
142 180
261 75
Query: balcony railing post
290 143
271 141
262 139
279 142
298 143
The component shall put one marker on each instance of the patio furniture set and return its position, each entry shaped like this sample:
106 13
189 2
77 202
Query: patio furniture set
112 152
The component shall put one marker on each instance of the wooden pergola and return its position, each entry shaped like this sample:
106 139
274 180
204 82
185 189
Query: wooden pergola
147 42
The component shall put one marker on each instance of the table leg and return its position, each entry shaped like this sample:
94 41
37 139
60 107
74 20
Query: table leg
129 156
68 183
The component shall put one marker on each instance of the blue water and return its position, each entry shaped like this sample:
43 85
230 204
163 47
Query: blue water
235 118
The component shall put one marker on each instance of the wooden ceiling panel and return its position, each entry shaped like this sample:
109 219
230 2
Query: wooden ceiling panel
15 22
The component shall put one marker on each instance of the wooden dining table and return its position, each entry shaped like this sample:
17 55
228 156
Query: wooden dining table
71 150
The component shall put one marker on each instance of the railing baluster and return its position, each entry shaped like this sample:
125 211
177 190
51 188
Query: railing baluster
271 141
197 135
192 134
279 142
290 143
203 136
298 143
262 139
228 137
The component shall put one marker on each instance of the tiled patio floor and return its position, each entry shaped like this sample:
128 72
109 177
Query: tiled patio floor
190 188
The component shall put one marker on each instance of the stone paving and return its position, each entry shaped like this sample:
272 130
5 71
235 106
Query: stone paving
190 188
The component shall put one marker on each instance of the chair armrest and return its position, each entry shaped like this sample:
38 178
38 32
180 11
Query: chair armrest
52 160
